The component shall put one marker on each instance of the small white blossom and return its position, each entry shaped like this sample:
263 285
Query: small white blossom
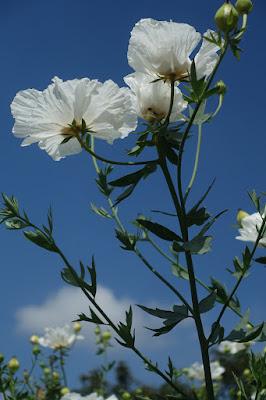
47 117
163 49
250 226
59 337
231 347
92 396
153 98
196 371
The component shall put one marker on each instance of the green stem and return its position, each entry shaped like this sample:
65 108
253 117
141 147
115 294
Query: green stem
91 152
220 103
243 27
196 163
62 363
137 251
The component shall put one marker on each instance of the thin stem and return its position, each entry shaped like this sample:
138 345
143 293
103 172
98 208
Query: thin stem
167 119
220 103
62 363
190 123
243 27
260 235
196 163
151 365
91 152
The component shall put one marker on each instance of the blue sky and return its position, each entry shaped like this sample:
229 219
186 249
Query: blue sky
89 39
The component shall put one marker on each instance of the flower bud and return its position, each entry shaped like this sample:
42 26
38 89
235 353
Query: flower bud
244 6
240 215
221 87
56 376
246 372
13 364
106 335
34 339
226 17
1 357
64 391
36 350
126 396
97 330
77 327
46 371
26 375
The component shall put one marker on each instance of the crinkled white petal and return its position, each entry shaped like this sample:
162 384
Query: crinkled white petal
45 117
92 396
196 371
59 337
231 347
250 226
206 58
112 113
152 99
161 48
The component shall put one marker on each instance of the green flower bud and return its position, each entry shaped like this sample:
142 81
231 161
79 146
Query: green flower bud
1 357
221 87
138 391
226 17
64 391
26 375
56 376
97 330
77 327
13 364
244 6
240 215
106 335
34 339
126 396
36 350
46 371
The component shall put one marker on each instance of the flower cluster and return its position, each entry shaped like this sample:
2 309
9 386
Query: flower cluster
159 52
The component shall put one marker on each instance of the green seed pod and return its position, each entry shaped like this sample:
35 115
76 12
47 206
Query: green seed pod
226 17
244 6
36 350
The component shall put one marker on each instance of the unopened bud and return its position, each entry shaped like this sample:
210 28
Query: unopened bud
246 372
244 6
26 375
34 339
126 396
56 376
64 391
97 330
13 364
226 17
77 327
46 371
241 215
106 335
221 87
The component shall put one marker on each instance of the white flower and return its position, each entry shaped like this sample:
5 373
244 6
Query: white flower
163 49
250 226
153 98
231 347
92 396
59 337
46 117
196 371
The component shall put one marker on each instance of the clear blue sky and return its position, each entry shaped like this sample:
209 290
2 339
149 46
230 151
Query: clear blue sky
41 39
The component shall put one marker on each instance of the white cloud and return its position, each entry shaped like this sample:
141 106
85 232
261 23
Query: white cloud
63 307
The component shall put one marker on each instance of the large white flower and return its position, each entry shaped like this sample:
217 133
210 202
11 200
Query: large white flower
231 347
92 396
250 226
196 371
153 98
163 49
59 337
46 117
